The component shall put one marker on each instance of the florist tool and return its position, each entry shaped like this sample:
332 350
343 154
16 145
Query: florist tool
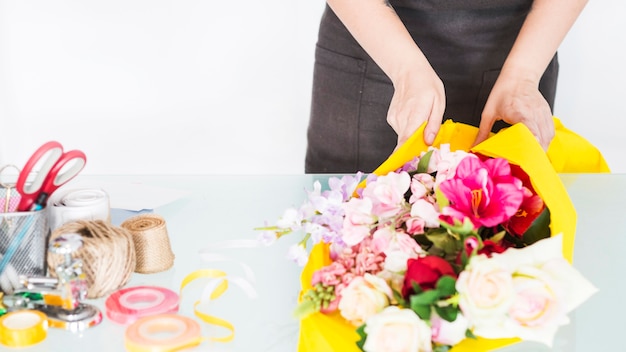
59 298
57 169
35 194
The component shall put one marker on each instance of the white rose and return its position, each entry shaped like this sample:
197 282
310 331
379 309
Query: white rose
538 309
485 295
448 333
523 293
397 330
547 288
395 261
394 279
363 297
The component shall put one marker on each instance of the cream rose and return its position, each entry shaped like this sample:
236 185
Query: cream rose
538 310
363 297
547 287
523 293
397 330
485 293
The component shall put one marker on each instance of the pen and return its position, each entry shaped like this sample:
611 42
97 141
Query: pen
40 203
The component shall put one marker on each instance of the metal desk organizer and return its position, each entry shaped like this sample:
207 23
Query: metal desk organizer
59 298
23 237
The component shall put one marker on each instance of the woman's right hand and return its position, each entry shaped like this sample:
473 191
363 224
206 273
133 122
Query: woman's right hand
419 97
418 92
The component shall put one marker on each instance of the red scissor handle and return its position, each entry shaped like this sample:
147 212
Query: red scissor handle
48 177
56 178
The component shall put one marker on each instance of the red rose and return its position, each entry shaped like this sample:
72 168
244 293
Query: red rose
425 271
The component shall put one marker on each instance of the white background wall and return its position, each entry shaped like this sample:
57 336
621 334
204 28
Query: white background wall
200 86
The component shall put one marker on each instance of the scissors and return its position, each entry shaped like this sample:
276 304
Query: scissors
49 177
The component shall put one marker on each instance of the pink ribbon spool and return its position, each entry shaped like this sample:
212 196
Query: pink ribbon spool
147 334
129 304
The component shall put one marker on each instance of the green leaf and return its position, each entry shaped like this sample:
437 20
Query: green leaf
398 298
444 241
425 298
417 289
423 241
422 166
465 228
498 237
517 242
363 336
470 334
446 285
421 303
441 199
305 308
447 313
422 311
442 348
539 229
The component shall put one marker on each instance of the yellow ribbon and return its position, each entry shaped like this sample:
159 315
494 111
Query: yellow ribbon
23 328
217 292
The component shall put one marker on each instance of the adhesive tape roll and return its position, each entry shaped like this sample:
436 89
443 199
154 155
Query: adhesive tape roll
79 204
23 328
129 304
162 333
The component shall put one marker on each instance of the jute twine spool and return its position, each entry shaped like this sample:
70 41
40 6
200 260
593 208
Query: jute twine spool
108 255
152 244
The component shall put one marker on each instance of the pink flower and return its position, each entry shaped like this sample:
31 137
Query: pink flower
329 275
388 238
421 186
358 260
427 211
484 192
387 193
415 226
357 220
445 162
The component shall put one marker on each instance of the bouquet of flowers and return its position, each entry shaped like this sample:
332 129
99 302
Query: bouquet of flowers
450 250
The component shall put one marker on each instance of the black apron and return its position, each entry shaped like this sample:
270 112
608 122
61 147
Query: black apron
466 43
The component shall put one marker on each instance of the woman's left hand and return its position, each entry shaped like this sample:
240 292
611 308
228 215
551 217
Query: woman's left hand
516 100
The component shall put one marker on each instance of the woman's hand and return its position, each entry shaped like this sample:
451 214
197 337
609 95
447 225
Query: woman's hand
418 92
515 96
516 100
419 97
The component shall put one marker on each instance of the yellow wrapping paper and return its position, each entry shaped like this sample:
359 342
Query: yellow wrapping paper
567 153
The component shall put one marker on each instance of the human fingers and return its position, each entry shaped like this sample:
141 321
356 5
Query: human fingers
484 129
434 121
407 113
544 128
419 97
411 123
